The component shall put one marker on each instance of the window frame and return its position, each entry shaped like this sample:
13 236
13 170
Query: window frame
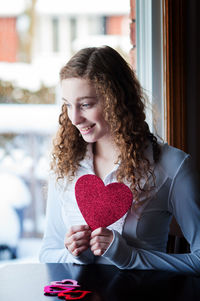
174 58
149 37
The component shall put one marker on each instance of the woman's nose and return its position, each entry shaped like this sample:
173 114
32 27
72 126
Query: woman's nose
76 117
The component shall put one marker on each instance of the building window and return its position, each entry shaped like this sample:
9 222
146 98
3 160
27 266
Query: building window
73 28
55 34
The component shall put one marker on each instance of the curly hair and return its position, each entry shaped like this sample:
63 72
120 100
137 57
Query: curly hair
124 110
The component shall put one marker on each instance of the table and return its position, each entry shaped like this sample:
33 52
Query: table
20 282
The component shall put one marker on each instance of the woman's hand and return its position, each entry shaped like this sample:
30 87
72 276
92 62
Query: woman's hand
100 240
77 239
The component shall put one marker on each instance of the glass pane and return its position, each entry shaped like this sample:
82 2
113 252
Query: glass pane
150 61
40 38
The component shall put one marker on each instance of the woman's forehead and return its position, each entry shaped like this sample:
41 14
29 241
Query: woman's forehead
77 88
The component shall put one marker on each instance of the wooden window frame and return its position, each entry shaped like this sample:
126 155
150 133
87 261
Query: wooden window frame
174 77
174 58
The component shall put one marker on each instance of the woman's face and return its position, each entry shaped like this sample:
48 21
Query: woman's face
84 109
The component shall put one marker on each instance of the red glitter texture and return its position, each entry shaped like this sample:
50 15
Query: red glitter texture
101 205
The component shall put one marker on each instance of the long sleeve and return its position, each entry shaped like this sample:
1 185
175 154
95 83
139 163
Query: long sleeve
53 249
184 203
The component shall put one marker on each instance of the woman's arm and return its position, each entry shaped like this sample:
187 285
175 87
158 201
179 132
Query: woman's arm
184 203
53 248
126 257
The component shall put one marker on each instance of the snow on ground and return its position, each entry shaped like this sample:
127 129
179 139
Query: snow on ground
28 251
41 119
31 76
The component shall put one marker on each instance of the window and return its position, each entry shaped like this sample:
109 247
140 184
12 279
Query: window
49 35
29 86
149 59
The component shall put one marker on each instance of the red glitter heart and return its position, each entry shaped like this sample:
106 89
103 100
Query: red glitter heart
101 205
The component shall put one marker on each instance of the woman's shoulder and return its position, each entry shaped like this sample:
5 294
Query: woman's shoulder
171 151
171 158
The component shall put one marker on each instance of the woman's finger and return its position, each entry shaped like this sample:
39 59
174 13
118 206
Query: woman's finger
78 228
101 239
78 236
77 239
77 247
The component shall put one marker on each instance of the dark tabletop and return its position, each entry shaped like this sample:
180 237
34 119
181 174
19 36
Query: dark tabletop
20 282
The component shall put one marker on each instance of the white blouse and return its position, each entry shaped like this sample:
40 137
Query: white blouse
140 238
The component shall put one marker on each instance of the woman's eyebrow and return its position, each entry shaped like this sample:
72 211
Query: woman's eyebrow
81 98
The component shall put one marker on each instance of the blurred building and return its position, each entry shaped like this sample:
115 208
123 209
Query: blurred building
62 28
9 14
8 39
39 36
55 30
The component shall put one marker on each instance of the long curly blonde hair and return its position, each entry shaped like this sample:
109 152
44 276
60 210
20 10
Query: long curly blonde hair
123 109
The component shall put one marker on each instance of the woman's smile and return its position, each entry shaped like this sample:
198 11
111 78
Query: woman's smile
87 130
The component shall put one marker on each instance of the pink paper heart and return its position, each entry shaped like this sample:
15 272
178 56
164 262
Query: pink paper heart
101 205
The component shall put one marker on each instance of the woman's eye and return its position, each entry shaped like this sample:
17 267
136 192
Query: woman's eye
86 105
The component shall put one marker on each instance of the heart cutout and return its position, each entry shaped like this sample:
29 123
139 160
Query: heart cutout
101 205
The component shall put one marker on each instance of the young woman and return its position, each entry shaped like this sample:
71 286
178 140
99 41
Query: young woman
103 132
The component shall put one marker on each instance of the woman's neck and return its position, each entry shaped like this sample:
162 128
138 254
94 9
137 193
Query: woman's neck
105 158
106 150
